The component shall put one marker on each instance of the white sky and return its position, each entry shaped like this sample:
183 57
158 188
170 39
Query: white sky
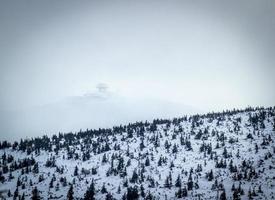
210 55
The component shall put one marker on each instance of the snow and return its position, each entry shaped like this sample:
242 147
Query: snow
192 158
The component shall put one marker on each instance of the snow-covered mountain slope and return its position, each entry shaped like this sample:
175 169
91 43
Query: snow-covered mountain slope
228 155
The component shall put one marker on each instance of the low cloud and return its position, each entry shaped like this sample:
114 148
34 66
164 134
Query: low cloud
100 92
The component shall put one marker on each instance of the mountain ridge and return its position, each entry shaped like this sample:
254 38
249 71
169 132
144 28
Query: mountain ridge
223 155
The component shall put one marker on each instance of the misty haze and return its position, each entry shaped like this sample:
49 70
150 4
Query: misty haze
137 99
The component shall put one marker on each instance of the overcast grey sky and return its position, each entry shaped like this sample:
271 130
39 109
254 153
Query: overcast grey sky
200 55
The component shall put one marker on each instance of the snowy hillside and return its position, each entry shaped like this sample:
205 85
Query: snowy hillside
228 155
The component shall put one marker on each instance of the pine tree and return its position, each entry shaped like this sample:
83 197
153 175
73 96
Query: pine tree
103 189
35 194
109 196
147 162
190 183
132 193
236 195
10 176
70 194
15 194
223 195
125 183
233 187
256 148
118 189
51 183
184 192
9 193
90 193
23 196
142 146
179 193
175 149
142 193
18 182
250 194
188 145
178 182
76 171
172 165
210 176
35 168
104 158
225 153
57 187
160 161
149 196
120 165
134 178
167 183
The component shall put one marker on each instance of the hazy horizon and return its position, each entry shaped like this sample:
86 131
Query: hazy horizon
70 65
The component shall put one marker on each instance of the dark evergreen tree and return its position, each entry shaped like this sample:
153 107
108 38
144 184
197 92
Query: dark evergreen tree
223 195
109 196
256 148
15 194
118 189
23 196
134 178
104 158
160 161
132 193
250 194
90 193
76 171
142 191
18 184
125 183
179 193
9 193
142 146
147 162
178 182
184 192
103 189
175 149
149 196
35 168
210 175
10 176
167 183
70 194
190 183
35 194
